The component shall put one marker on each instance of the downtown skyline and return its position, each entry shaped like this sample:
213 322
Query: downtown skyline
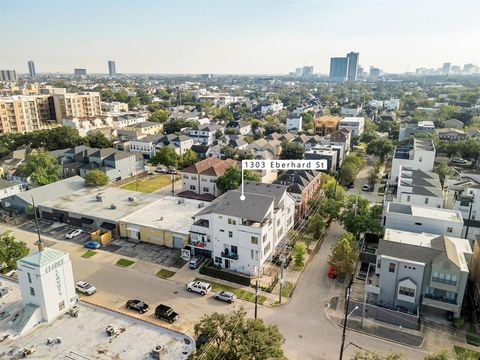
238 37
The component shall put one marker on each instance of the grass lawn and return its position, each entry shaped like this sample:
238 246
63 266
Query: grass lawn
472 337
149 184
466 354
89 253
125 262
164 273
241 294
287 289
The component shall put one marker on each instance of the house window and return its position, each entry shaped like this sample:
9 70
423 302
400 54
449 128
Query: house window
426 200
280 232
391 267
61 305
234 249
29 278
32 291
266 249
264 238
185 176
232 221
206 189
230 234
254 240
192 187
406 291
252 254
408 198
218 260
449 229
419 224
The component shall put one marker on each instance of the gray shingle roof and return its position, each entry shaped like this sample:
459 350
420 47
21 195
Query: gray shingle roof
255 207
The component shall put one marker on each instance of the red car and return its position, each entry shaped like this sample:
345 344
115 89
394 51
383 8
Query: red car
332 272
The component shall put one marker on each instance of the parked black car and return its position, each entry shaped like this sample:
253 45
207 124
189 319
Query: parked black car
166 313
137 305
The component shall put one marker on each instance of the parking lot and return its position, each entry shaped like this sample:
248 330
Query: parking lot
157 254
85 336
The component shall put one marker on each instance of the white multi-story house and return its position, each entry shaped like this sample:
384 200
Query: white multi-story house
420 155
392 104
351 110
353 124
270 107
145 145
420 271
205 135
243 127
419 219
241 235
124 120
84 125
201 178
180 143
419 187
294 123
113 107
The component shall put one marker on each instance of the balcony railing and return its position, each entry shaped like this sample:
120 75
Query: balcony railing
198 244
441 298
229 255
445 281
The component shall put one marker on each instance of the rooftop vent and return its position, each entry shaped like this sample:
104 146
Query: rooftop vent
181 201
131 198
201 205
99 198
113 206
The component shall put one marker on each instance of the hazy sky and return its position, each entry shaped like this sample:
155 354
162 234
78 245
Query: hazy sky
235 36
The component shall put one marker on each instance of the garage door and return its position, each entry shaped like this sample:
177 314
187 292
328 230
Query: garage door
178 242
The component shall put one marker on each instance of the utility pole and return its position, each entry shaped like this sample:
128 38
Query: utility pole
365 297
255 269
469 217
282 265
347 303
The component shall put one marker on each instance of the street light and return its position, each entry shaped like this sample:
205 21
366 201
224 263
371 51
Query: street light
351 312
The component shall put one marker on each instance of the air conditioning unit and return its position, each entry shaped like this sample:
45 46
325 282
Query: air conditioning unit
113 206
99 198
131 198
201 205
156 352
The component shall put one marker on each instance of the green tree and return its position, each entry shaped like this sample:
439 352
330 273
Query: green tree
160 116
42 167
97 140
229 152
443 170
218 133
121 96
133 101
11 250
292 151
380 147
96 178
224 114
176 125
358 217
232 178
368 136
166 156
347 173
344 254
299 251
316 225
189 157
233 336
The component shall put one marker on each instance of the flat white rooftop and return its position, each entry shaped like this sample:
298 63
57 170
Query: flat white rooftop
84 337
85 202
169 213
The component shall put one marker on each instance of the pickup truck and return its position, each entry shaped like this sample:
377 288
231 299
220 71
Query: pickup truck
166 313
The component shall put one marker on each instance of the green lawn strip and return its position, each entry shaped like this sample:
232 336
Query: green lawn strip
287 289
149 185
89 253
240 293
473 338
466 353
125 262
164 273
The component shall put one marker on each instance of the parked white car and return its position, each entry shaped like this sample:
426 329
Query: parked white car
86 288
73 233
199 287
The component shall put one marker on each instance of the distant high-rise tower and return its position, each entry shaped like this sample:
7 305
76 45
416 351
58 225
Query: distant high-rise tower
352 72
8 75
446 68
112 71
338 68
31 68
80 72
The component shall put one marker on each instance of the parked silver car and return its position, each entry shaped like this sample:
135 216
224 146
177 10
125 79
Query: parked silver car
226 296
